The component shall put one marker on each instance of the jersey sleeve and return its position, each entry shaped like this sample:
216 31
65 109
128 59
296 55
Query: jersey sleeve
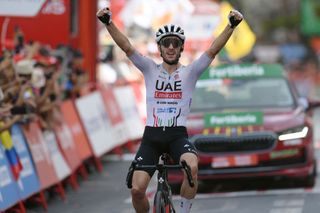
141 62
199 65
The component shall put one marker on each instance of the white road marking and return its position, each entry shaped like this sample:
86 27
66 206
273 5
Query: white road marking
286 210
288 206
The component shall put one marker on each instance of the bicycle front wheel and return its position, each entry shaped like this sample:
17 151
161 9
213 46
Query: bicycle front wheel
160 205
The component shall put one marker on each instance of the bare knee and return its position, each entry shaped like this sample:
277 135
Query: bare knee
137 194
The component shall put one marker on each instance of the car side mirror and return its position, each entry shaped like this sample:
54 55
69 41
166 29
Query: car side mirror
313 103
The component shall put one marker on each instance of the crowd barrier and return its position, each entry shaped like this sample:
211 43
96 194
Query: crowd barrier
33 160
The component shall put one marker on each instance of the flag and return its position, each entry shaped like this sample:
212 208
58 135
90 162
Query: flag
242 40
11 153
310 17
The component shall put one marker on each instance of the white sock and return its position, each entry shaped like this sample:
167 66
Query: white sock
185 205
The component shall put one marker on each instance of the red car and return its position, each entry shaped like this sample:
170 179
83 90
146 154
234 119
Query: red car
247 120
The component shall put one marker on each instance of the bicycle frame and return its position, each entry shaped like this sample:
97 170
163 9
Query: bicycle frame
164 187
163 197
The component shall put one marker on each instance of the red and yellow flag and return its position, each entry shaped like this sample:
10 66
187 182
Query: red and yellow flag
11 153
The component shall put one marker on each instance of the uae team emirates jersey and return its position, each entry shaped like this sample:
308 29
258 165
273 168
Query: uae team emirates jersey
169 95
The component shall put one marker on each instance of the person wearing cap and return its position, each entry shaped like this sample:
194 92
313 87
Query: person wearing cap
169 87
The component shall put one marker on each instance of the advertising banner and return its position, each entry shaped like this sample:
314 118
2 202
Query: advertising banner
67 145
8 188
78 133
140 95
25 8
60 165
28 182
40 154
28 14
233 119
126 99
117 121
97 123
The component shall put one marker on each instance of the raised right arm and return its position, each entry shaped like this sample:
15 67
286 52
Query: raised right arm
119 38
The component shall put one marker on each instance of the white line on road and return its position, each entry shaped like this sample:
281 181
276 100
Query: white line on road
286 210
288 206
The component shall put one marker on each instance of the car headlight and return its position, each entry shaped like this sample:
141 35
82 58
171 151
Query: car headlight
294 133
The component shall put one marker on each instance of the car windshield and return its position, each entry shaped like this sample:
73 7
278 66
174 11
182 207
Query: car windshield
241 93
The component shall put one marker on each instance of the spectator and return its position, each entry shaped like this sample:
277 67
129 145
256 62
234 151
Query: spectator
77 77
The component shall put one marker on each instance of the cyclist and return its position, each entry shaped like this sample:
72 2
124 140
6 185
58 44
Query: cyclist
169 87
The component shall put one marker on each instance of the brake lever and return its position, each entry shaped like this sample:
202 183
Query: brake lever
187 168
130 174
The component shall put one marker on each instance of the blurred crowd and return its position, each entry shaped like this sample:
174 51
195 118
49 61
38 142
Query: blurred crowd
35 78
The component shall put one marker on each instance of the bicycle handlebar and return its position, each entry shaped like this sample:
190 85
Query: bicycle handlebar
158 167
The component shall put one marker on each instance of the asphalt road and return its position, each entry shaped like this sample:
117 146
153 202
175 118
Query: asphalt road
106 192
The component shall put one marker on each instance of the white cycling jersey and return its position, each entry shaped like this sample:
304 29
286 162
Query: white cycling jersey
169 95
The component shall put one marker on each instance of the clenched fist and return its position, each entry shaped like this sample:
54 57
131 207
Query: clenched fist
234 17
104 15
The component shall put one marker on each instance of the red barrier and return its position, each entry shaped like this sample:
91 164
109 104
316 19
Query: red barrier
112 106
41 155
67 145
73 122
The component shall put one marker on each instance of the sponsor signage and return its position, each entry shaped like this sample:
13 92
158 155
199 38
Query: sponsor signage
233 119
129 111
59 163
97 122
67 145
8 188
243 71
25 8
41 155
73 121
28 182
113 110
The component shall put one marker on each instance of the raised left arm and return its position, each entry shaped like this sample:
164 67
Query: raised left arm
234 18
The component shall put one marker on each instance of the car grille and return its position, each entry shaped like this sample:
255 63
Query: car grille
247 142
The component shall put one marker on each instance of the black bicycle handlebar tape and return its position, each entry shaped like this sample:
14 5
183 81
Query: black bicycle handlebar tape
187 168
130 174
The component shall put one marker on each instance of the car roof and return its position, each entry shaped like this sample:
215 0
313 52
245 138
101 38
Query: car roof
243 71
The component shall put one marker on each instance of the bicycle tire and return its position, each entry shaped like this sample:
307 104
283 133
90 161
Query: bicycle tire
160 205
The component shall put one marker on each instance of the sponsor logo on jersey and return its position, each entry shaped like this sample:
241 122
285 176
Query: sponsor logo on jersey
168 90
167 110
168 95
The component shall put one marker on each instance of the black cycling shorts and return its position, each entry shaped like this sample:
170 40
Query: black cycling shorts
156 140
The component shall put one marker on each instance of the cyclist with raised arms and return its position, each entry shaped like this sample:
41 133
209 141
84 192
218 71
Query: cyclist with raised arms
169 88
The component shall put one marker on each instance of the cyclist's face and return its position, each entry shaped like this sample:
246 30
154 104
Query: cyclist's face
170 49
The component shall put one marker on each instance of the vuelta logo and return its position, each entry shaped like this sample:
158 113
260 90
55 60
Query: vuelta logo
166 90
